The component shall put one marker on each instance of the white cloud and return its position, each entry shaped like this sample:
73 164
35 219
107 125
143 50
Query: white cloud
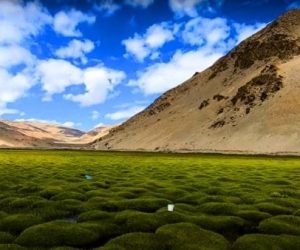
160 77
99 83
124 113
139 3
244 31
19 20
201 31
95 115
66 23
13 55
12 87
76 49
185 7
56 75
109 7
142 46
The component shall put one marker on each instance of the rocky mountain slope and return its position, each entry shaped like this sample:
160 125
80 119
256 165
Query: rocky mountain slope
247 101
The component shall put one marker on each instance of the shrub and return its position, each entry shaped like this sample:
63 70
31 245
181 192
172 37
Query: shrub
266 242
183 236
18 222
281 224
57 233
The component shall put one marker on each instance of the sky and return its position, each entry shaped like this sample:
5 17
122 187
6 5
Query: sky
89 63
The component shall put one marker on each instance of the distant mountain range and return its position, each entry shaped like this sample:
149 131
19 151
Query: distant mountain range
42 135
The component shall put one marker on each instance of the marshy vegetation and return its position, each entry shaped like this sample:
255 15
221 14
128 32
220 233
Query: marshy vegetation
94 200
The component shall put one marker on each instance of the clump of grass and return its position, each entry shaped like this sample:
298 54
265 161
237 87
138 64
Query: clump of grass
6 238
253 216
141 204
281 224
229 226
145 241
266 242
18 222
189 236
219 208
11 247
68 195
95 215
273 209
57 233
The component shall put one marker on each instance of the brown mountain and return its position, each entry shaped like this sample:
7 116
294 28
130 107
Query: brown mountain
43 135
247 101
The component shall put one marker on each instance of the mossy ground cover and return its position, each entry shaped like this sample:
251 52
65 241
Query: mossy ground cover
221 202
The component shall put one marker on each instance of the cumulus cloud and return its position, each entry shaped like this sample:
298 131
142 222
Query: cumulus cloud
139 3
13 55
142 46
56 75
185 7
109 7
19 20
201 31
65 23
160 77
16 85
99 82
76 49
212 39
124 113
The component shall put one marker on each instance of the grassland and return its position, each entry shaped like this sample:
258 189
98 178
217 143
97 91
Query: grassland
221 202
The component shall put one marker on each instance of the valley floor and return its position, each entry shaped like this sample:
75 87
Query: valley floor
115 200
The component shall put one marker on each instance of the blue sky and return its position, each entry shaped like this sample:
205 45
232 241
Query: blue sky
85 63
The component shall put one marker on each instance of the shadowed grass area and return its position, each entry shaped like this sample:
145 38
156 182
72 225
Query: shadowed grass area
226 202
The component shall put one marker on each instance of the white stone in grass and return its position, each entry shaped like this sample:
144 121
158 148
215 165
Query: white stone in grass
171 207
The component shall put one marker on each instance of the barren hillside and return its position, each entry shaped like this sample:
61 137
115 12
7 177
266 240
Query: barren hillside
247 101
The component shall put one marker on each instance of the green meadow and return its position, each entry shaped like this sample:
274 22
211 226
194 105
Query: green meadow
117 201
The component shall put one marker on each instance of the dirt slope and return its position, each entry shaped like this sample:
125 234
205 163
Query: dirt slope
247 101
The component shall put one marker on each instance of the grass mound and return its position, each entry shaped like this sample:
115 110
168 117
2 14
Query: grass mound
266 242
6 238
281 224
57 233
219 208
142 241
183 236
18 222
11 247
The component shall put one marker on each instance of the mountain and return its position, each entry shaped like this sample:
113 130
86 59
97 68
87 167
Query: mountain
43 135
248 101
